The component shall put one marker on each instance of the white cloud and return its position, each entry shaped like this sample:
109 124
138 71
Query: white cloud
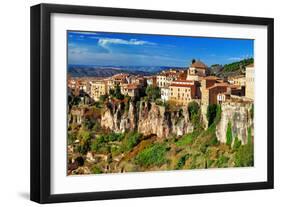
104 42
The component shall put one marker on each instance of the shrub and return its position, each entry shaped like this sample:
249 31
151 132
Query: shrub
244 156
131 140
194 113
249 135
185 140
96 170
116 92
84 144
222 161
229 134
188 138
182 160
71 137
211 113
153 93
237 143
152 155
103 98
252 111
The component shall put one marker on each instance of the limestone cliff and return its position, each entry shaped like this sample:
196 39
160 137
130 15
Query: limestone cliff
147 118
238 114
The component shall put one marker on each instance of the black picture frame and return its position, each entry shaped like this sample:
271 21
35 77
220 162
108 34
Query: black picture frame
41 96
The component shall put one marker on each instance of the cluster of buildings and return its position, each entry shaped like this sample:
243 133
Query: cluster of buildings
195 84
130 85
177 86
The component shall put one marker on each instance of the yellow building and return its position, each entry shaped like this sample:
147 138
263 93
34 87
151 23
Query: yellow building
98 88
239 80
182 92
250 81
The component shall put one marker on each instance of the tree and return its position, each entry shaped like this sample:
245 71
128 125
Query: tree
153 93
116 92
103 98
229 134
194 113
211 113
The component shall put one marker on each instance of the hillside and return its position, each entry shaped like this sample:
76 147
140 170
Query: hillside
235 68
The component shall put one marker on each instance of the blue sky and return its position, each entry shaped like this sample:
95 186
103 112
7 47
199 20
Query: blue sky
100 48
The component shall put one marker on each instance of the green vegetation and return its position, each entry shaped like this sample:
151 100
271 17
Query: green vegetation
211 113
244 156
100 144
229 134
116 92
194 114
103 98
96 170
131 140
222 161
71 137
252 111
236 144
153 93
131 151
182 160
237 65
84 138
187 138
153 155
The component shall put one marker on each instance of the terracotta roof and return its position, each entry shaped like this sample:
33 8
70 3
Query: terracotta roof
219 85
181 85
210 78
120 75
131 86
199 64
183 81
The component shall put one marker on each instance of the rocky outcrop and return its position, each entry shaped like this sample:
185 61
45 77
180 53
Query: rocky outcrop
238 114
115 117
147 118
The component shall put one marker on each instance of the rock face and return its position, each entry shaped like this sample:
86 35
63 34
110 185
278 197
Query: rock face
238 114
116 118
147 119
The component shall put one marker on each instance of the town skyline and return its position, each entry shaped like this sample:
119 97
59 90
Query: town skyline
119 49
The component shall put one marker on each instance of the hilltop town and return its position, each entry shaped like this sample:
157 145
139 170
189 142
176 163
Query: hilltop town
177 86
117 123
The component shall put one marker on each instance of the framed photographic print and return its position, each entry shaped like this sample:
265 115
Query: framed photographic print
132 103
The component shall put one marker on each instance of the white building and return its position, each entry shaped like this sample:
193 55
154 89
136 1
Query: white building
165 93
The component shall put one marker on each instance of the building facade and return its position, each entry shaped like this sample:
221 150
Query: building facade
165 94
182 92
196 70
98 88
250 81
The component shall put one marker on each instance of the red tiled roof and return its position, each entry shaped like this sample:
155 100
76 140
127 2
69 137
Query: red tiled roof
181 85
210 78
183 81
131 86
219 85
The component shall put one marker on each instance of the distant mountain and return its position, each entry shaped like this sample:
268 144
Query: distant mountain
107 71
